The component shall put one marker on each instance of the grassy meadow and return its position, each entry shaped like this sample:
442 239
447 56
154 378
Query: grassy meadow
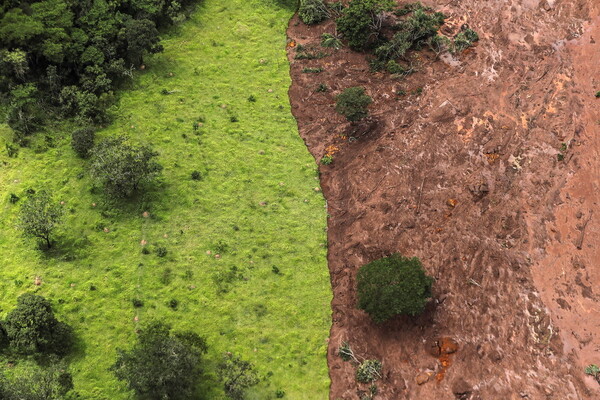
245 245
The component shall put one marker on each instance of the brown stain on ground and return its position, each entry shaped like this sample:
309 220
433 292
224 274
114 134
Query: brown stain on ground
511 289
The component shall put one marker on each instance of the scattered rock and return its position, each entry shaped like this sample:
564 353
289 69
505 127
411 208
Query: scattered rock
37 281
422 378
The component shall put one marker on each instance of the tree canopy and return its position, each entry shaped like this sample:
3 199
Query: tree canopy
393 285
67 56
32 328
162 365
39 216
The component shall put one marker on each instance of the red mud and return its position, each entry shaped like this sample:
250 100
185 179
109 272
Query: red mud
467 176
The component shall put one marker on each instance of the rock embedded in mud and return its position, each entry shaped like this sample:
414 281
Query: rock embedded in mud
461 389
422 378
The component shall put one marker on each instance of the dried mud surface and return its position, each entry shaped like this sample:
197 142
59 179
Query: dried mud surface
466 176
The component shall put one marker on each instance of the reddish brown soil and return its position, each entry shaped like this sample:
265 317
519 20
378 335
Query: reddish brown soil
467 177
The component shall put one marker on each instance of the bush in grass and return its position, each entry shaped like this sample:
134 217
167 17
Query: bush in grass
32 328
393 285
82 141
39 216
352 103
162 364
313 11
122 168
3 337
368 371
51 383
360 22
237 375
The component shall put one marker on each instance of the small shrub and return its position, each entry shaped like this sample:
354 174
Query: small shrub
308 70
393 285
13 198
275 270
161 251
326 159
196 175
598 94
322 88
352 103
252 99
82 141
310 56
11 150
145 250
329 40
233 118
368 371
594 371
137 303
174 303
166 277
313 11
346 353
465 39
279 394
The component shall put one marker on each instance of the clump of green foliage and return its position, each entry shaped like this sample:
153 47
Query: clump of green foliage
313 11
352 103
237 376
122 168
393 285
32 328
60 56
594 371
368 371
361 21
413 32
465 39
162 364
82 141
51 383
597 94
39 216
329 40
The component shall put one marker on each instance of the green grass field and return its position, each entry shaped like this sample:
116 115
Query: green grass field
256 206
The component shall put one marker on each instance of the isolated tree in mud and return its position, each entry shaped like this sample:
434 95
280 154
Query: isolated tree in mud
40 216
353 103
392 286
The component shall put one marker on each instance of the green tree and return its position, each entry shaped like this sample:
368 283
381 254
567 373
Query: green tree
237 375
52 383
32 328
142 37
352 103
82 141
391 286
313 11
360 22
121 167
39 216
162 365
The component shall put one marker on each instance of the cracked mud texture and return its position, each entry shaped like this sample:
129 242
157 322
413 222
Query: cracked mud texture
467 176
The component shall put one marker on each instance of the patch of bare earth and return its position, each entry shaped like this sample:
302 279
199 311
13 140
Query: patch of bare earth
467 176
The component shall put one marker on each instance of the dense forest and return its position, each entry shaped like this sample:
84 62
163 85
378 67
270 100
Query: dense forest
65 57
